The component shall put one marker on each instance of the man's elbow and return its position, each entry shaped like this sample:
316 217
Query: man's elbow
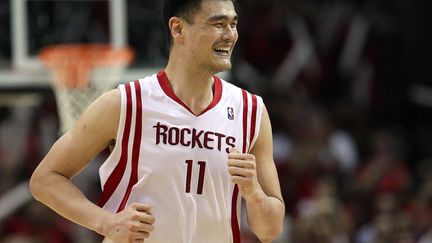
272 233
275 226
36 184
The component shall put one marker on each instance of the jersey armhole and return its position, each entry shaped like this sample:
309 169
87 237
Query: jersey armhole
260 105
110 163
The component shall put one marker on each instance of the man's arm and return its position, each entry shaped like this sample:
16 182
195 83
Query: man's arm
258 182
51 181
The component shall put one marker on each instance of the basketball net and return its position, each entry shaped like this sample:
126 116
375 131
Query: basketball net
81 73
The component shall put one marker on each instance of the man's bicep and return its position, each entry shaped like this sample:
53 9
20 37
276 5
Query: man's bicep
93 132
263 152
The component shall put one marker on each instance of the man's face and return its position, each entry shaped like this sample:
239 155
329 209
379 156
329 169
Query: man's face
211 37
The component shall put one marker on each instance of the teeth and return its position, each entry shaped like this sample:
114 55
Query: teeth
226 49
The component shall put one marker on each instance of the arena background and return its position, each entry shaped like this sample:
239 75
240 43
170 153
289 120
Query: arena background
348 85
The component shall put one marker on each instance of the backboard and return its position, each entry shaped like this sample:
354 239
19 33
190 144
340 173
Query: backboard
38 23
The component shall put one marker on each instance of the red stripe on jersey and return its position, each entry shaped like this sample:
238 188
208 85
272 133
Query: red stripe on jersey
166 87
234 220
136 146
245 120
115 177
253 120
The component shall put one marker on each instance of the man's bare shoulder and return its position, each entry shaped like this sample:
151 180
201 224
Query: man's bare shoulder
102 116
110 98
107 104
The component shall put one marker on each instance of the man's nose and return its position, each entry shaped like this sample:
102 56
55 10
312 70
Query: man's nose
229 33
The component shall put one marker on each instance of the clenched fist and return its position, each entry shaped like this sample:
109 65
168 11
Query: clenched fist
133 224
242 168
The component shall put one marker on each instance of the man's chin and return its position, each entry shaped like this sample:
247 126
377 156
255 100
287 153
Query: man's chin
219 67
224 68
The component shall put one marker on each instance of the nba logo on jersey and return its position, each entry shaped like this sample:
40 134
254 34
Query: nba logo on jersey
230 112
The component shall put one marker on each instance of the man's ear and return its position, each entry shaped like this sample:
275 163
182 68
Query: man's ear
176 27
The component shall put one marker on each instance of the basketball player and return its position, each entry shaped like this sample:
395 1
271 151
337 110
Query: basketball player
187 146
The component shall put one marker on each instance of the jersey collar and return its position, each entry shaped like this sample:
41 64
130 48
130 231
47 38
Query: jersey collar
166 87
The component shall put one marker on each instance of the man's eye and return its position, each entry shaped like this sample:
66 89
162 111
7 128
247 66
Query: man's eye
218 25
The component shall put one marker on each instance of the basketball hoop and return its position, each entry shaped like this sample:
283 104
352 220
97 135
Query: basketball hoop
81 73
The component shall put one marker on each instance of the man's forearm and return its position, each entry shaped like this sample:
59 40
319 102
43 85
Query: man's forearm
61 195
265 216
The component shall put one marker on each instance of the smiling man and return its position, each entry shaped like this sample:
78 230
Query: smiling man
188 146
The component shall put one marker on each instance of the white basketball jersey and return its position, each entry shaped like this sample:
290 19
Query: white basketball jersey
176 161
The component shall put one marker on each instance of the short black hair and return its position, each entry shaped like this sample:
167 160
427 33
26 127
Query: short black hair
180 8
184 9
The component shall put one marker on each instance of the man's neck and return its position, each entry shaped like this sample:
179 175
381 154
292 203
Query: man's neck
193 87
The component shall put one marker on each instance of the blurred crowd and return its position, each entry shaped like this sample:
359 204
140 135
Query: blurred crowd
354 165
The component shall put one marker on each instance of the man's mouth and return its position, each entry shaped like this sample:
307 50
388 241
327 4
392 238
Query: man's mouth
224 51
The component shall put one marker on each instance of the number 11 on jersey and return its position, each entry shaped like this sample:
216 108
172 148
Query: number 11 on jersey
202 166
